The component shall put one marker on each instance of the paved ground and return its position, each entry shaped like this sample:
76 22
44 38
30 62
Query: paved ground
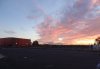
47 58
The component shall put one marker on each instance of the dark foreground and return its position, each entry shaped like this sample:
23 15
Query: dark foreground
48 58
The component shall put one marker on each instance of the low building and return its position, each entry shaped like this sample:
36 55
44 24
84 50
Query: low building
15 42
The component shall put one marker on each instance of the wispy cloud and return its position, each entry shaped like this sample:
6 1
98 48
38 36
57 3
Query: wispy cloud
38 11
10 32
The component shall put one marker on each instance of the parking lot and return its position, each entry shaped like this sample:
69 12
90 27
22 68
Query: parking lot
47 58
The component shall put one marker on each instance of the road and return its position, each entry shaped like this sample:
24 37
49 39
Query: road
47 58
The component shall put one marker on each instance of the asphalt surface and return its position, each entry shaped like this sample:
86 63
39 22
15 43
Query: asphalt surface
48 58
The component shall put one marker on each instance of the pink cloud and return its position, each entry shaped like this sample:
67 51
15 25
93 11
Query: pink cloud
73 25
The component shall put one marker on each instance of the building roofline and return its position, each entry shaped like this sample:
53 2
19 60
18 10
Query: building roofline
13 38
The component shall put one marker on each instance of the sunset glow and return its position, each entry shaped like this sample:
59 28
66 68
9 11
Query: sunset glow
60 39
51 21
84 41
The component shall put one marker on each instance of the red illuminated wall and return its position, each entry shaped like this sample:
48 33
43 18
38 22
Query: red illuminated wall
23 42
18 42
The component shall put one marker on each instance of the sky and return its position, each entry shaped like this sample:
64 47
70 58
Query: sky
51 21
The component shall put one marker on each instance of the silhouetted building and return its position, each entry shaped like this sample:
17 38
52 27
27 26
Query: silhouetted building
15 42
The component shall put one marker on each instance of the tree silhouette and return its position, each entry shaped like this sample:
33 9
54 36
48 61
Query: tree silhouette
35 43
97 41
